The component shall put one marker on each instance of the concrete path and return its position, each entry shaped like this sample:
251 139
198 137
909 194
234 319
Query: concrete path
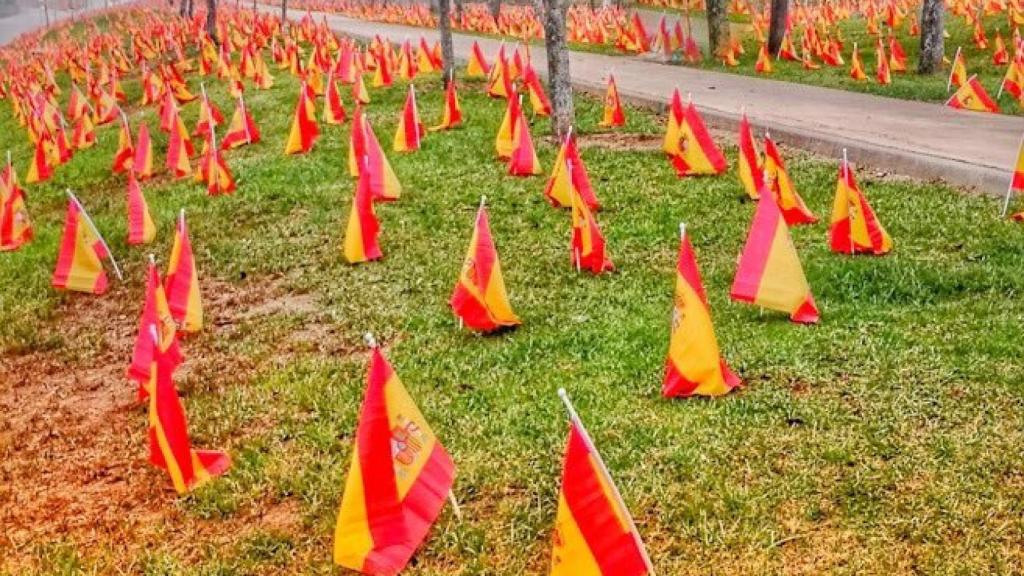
927 141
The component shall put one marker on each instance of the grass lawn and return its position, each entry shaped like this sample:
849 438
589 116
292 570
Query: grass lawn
884 440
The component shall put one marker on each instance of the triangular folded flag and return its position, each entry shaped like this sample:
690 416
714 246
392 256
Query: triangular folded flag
854 228
83 135
140 225
882 73
856 66
181 284
764 61
359 93
155 314
125 153
688 143
15 225
142 164
242 130
523 161
480 299
769 273
539 102
504 142
397 482
365 153
39 169
451 116
304 130
613 114
958 72
1016 183
568 175
587 245
79 262
334 108
209 117
179 148
694 365
972 96
477 66
594 532
169 445
360 244
410 130
777 179
750 169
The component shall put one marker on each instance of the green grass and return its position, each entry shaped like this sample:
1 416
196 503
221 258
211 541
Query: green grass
886 439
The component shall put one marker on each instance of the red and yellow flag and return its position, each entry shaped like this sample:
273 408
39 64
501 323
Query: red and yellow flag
84 133
39 169
477 66
856 66
688 143
587 245
750 169
179 147
169 445
539 102
15 225
854 228
972 96
155 314
480 299
125 153
365 153
140 225
613 115
694 365
79 262
181 284
777 179
360 244
451 116
142 164
594 534
397 482
523 161
882 73
764 61
410 131
569 175
242 130
334 108
769 273
209 117
304 131
958 73
504 142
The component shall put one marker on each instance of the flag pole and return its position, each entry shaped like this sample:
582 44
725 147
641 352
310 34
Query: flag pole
88 220
949 82
1009 187
575 418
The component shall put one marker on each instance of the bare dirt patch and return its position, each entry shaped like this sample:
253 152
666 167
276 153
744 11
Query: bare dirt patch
621 141
73 456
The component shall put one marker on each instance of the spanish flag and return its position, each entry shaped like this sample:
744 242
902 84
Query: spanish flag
213 170
334 108
856 66
750 169
304 131
764 61
140 225
480 299
854 228
79 262
569 175
477 66
500 83
777 179
539 101
125 153
972 96
504 142
882 73
179 148
688 143
587 246
142 164
242 129
769 273
365 153
524 161
594 533
397 481
169 445
452 114
84 134
613 115
155 313
209 117
410 130
15 225
39 169
359 93
360 243
694 365
181 284
958 73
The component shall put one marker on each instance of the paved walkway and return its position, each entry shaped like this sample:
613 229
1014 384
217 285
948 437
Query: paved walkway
927 141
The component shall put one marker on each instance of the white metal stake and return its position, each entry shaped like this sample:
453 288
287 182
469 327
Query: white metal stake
1009 187
92 226
415 114
575 418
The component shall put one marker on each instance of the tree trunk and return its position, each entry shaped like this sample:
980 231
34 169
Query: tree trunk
777 27
718 27
284 12
211 20
932 44
191 8
458 11
495 7
559 80
444 27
